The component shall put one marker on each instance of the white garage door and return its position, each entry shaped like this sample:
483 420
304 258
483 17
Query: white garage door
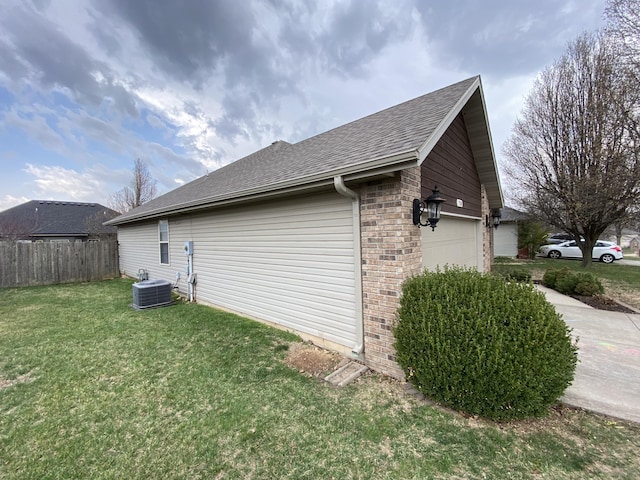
455 241
505 240
288 262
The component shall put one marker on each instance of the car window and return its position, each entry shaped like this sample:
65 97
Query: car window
572 244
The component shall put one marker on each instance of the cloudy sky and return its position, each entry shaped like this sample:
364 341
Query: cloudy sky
86 87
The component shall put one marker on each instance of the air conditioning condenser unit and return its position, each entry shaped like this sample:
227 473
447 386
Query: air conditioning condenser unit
151 293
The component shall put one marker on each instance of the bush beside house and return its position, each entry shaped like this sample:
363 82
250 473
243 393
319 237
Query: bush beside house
481 345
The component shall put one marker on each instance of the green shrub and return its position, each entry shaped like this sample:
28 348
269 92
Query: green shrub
550 276
566 281
518 274
531 235
588 284
481 345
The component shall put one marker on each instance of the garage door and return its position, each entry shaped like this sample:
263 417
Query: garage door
506 240
288 262
455 241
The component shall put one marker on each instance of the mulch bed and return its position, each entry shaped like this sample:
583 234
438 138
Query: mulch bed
599 301
603 303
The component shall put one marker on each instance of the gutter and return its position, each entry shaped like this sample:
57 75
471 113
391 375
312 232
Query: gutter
342 189
362 170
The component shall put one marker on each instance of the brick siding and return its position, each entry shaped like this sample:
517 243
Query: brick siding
391 252
487 236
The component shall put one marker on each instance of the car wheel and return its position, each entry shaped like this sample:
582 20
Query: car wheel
607 258
554 254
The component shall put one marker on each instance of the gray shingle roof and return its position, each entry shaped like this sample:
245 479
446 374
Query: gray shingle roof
48 218
401 129
513 215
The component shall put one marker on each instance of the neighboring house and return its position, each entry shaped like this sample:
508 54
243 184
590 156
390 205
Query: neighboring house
506 235
634 243
317 236
628 239
49 220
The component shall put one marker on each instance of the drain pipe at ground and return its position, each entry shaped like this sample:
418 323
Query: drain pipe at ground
342 189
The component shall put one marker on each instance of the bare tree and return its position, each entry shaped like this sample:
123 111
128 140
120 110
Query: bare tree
95 228
623 26
141 189
574 151
18 228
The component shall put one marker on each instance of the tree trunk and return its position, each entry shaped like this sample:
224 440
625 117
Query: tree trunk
587 251
618 234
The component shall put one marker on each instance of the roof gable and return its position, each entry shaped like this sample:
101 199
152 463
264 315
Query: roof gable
392 136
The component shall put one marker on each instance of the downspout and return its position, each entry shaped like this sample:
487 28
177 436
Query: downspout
341 188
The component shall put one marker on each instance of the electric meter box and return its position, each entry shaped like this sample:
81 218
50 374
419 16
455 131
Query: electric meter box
188 248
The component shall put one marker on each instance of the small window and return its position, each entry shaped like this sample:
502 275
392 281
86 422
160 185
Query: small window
163 236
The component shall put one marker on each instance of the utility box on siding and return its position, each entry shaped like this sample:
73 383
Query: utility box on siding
151 293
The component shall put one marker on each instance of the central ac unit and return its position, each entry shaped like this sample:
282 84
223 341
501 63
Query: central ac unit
151 293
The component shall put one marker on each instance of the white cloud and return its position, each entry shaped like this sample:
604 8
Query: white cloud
215 81
9 201
58 183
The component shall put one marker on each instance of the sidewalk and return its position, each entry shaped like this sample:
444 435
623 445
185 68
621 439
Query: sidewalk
607 378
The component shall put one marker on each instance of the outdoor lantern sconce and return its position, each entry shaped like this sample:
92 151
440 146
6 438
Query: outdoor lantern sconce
431 205
496 214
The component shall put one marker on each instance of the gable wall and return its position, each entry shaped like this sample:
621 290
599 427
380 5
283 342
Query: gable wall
451 167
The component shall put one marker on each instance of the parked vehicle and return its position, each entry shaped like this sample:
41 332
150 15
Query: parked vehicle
558 238
604 251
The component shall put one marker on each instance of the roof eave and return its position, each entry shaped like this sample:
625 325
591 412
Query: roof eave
362 171
68 234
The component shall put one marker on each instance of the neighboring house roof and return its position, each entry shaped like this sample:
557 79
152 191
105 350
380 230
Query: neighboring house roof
48 218
395 138
512 215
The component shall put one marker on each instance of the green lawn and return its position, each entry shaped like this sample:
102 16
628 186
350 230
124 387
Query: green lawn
630 254
90 388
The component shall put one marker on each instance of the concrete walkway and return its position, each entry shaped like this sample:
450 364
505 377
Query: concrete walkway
607 378
625 261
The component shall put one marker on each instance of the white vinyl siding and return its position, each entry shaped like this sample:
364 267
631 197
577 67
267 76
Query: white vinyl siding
455 241
290 262
138 249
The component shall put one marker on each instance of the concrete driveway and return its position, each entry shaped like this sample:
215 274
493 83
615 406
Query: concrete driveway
607 378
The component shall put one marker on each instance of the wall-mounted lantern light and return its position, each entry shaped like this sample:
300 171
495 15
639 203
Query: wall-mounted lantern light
431 206
496 214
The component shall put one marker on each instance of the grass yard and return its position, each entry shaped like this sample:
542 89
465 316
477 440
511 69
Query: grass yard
90 388
621 282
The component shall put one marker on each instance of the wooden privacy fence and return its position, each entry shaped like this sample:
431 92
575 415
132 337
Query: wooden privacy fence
47 263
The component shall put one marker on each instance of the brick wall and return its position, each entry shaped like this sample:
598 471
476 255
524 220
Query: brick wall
487 236
391 252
